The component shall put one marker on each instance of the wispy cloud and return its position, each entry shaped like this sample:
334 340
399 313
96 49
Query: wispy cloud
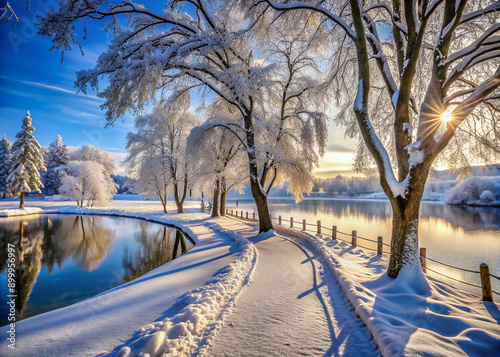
75 116
51 87
37 97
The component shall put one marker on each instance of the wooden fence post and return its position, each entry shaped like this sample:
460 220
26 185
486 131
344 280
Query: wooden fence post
485 282
334 232
279 220
232 214
380 245
423 261
291 222
241 214
353 241
254 216
246 215
236 214
319 227
304 224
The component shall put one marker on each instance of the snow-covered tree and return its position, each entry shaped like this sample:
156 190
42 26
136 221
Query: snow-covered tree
26 163
294 133
153 179
87 181
157 150
217 157
57 157
428 65
172 50
5 154
91 153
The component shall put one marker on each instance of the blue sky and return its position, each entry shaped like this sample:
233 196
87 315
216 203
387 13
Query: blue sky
32 78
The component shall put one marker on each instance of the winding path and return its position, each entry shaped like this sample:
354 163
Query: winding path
292 308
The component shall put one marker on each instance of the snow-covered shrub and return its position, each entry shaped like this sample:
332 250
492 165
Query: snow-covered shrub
474 190
87 180
487 196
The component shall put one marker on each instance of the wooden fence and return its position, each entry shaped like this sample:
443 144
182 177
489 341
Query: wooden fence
334 233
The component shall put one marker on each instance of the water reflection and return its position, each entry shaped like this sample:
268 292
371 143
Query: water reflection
28 266
92 242
153 249
62 259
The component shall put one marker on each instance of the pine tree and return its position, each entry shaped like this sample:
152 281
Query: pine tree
56 157
25 163
5 154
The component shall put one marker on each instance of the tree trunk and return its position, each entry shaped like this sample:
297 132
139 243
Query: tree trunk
404 241
178 202
21 204
259 196
265 223
215 206
163 202
405 219
223 202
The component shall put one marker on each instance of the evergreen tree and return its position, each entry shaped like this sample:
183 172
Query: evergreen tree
25 163
56 157
5 154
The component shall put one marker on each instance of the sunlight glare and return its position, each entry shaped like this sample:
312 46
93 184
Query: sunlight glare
446 117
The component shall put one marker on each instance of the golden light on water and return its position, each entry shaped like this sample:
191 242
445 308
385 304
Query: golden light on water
446 117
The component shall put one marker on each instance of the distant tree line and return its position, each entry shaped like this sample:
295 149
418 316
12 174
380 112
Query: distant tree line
347 186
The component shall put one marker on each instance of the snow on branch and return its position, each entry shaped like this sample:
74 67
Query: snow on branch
485 53
481 12
484 40
306 6
463 109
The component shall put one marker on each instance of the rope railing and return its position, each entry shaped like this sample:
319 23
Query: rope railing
496 277
483 272
452 278
451 266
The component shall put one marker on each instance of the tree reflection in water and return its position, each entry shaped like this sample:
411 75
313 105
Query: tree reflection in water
156 246
28 265
93 243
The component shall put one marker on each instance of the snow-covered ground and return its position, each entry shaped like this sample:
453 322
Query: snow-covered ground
181 307
415 314
176 308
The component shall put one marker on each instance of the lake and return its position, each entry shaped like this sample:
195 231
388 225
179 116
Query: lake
457 235
63 259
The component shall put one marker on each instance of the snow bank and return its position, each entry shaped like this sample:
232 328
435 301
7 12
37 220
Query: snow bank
413 315
20 211
194 328
175 309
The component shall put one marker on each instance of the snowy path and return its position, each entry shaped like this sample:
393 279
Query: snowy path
291 309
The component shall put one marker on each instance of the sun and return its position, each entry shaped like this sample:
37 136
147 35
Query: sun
446 117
